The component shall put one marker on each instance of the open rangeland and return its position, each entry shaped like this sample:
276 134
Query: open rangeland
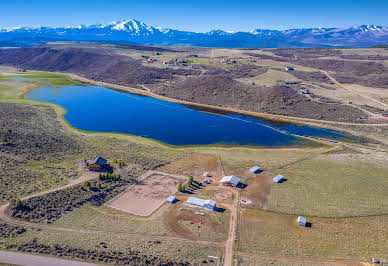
108 248
344 182
244 259
147 195
358 238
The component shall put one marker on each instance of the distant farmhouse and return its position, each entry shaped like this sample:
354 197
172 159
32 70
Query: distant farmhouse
97 165
201 203
230 181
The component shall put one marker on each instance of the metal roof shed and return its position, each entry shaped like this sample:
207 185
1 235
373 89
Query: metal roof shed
278 179
201 203
171 199
302 221
230 180
255 170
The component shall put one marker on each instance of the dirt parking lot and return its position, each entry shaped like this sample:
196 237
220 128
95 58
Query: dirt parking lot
147 195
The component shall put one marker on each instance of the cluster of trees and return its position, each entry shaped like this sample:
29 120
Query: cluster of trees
182 188
108 176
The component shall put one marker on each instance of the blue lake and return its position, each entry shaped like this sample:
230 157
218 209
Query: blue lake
96 108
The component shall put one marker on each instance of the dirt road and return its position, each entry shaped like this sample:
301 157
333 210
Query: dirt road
229 244
37 260
228 261
352 91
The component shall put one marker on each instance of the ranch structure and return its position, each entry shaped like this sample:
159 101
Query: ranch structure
255 170
231 181
278 179
171 199
201 203
302 221
97 165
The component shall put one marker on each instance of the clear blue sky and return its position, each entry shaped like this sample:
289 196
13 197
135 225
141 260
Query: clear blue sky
199 15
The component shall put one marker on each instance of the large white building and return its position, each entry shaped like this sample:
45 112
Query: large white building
201 203
230 180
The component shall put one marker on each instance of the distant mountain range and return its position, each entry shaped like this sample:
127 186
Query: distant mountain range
134 31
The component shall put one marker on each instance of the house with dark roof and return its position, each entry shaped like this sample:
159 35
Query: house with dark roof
98 164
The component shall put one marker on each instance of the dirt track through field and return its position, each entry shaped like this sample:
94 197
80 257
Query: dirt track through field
352 91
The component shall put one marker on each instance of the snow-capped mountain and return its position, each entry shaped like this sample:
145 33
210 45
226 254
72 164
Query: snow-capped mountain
134 31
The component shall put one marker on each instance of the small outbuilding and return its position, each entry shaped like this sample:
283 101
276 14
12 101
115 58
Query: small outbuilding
201 203
231 181
290 68
255 170
171 199
205 174
278 179
98 164
303 91
302 221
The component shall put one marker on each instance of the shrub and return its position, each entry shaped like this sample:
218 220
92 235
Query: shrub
108 176
87 184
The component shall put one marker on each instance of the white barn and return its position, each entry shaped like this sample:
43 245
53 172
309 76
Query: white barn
302 221
201 203
278 179
231 181
255 169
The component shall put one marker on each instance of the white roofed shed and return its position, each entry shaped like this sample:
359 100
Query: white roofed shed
278 179
171 199
201 203
230 180
255 170
302 221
